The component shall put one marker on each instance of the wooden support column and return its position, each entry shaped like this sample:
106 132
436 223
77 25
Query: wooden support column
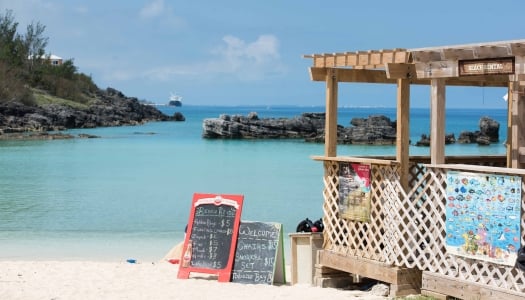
518 123
330 138
403 133
508 142
437 121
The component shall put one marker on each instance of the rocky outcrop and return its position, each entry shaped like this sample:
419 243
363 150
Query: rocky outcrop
488 133
251 127
36 136
108 108
178 116
374 130
489 128
309 126
425 140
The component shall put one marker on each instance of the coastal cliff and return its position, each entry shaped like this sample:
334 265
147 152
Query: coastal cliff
105 108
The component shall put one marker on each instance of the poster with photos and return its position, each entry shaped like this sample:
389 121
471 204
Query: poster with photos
483 214
354 191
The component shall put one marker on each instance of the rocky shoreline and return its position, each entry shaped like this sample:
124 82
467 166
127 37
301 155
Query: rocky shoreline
107 109
374 130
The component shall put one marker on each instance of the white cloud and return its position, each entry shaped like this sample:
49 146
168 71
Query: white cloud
152 9
237 58
247 61
264 49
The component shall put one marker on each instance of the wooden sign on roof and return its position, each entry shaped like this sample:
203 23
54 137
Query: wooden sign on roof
499 66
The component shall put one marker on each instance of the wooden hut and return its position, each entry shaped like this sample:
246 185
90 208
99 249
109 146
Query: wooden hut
405 240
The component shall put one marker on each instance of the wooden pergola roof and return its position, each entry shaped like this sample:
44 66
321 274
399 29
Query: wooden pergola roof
385 66
496 64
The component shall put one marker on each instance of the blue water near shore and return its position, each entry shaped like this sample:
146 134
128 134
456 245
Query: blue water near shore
128 193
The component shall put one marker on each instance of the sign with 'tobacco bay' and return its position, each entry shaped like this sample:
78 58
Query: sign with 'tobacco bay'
259 255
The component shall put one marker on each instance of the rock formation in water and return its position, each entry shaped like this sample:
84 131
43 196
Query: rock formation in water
374 130
309 126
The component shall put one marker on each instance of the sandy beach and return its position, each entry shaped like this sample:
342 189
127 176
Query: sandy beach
141 280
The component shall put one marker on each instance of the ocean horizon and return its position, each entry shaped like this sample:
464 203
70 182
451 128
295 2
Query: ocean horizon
127 194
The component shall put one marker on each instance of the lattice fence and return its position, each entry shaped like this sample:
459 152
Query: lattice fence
369 240
408 229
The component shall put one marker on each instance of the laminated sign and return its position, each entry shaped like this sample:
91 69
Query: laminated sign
483 215
354 191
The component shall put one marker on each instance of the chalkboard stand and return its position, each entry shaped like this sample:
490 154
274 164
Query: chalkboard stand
212 229
259 257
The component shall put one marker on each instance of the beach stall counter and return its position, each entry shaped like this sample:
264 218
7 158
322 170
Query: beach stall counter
437 225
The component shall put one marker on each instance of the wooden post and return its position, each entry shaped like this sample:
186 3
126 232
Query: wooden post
437 121
518 124
403 133
508 142
330 139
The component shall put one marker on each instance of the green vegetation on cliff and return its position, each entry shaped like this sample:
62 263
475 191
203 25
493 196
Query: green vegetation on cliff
39 93
25 68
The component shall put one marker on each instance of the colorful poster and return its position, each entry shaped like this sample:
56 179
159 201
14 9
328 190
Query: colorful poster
483 214
354 191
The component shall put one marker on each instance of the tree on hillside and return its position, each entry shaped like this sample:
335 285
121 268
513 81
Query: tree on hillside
8 37
12 87
23 63
34 44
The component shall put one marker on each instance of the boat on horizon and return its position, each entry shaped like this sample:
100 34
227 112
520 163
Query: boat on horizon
175 100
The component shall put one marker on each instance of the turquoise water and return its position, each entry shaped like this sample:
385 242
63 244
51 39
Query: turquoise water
127 194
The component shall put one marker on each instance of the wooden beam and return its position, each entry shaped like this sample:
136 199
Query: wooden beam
380 76
437 121
518 49
330 144
354 75
437 69
464 289
400 71
403 133
317 74
481 80
457 54
387 161
425 56
362 75
503 50
403 281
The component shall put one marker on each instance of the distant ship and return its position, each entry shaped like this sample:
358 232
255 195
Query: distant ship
175 100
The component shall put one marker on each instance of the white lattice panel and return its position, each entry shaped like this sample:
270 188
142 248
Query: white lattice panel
408 229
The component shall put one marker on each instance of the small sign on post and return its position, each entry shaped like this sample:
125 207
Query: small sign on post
209 246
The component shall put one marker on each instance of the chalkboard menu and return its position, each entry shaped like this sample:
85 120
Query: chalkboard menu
211 237
259 255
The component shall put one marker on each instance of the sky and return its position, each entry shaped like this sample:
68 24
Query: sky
242 52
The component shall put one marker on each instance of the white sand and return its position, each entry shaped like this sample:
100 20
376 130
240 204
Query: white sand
150 281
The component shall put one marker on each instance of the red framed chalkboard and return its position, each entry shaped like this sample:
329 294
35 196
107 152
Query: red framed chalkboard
211 237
